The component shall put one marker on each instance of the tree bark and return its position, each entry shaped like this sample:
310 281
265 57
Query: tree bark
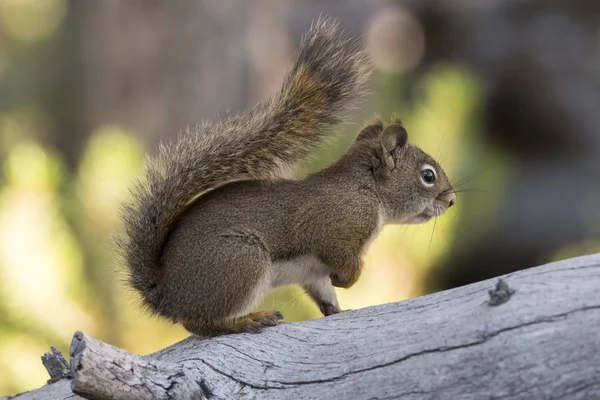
531 335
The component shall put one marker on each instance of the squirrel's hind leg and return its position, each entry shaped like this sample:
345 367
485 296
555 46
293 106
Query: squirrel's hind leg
241 264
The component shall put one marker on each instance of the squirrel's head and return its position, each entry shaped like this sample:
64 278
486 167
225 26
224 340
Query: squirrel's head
411 185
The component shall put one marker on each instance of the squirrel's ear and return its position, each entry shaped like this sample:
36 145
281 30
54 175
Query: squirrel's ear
369 132
393 136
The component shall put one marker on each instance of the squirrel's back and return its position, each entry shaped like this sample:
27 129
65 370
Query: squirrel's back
265 142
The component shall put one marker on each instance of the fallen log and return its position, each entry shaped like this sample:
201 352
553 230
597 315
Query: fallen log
534 334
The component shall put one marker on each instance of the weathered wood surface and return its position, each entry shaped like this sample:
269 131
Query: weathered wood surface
542 343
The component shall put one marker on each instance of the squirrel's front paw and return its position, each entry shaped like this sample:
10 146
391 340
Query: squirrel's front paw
329 309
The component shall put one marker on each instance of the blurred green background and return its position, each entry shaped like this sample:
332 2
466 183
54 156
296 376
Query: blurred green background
88 88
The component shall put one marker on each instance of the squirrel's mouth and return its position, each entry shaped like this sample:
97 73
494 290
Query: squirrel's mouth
436 209
420 219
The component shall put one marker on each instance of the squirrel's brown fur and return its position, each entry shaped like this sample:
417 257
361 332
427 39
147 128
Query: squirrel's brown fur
214 224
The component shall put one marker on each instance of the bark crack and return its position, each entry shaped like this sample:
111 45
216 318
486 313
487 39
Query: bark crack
231 377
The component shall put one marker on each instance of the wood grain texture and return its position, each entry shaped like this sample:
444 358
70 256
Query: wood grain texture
542 343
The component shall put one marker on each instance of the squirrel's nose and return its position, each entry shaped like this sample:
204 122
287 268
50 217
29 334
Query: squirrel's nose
451 200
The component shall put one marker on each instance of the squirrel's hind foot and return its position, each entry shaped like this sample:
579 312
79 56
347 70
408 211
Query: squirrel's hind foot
252 323
257 321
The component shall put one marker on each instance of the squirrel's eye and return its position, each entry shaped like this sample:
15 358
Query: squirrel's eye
428 175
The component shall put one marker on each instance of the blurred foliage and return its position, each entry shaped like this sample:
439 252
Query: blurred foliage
31 20
57 268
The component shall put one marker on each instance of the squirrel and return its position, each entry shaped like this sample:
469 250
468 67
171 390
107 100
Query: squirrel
217 220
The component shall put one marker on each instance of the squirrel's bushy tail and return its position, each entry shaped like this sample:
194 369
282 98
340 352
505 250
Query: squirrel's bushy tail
326 79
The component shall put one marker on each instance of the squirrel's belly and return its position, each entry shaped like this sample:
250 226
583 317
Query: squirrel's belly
306 268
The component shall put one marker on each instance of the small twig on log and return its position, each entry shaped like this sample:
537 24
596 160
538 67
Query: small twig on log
56 365
500 294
